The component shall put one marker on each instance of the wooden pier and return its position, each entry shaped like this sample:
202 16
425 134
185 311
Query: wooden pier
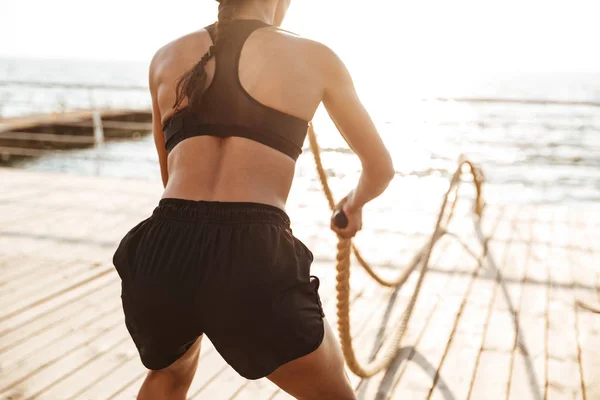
472 336
38 135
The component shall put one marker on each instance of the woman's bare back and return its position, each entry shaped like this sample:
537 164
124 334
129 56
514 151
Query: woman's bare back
277 69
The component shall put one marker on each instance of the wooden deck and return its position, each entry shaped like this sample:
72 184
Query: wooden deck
74 118
39 135
62 334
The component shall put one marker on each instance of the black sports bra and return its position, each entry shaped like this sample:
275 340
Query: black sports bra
227 109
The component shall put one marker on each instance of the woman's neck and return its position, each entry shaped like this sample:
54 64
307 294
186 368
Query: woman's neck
254 11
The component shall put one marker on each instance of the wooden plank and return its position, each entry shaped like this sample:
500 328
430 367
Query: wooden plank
55 335
435 288
419 379
15 270
10 198
560 394
455 374
477 292
16 248
45 324
48 137
27 315
457 370
107 382
224 386
129 390
524 381
583 272
534 309
21 376
210 369
20 151
109 358
64 272
46 378
25 271
564 379
433 285
527 379
564 374
67 223
261 389
497 337
492 375
562 335
30 121
121 125
44 296
378 328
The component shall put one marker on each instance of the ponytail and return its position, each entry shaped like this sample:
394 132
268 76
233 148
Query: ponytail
193 84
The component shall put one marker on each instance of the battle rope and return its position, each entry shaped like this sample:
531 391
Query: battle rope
345 247
595 308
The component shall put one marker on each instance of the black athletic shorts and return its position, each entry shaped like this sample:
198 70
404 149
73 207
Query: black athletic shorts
233 271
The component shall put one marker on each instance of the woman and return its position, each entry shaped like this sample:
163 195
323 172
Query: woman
218 256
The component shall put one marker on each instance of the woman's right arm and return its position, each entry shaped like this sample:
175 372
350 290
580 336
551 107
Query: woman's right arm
157 129
356 126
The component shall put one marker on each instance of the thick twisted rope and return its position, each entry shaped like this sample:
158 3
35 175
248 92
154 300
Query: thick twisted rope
593 307
345 248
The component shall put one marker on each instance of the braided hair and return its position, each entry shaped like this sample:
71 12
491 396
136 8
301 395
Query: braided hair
192 84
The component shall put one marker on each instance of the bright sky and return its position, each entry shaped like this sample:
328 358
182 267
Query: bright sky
414 35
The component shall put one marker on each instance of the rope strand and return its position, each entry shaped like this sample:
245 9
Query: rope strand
345 248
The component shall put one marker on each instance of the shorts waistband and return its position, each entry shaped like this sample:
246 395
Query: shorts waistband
216 211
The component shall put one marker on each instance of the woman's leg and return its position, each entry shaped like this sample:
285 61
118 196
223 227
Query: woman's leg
318 375
174 381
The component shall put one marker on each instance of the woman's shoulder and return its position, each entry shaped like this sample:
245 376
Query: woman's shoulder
180 49
300 46
192 39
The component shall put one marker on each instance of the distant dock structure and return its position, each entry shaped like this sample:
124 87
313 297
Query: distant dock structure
39 134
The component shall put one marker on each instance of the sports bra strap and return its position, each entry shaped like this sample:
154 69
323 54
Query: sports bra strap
227 109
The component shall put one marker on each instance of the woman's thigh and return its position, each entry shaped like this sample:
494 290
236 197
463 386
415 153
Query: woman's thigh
184 369
318 375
